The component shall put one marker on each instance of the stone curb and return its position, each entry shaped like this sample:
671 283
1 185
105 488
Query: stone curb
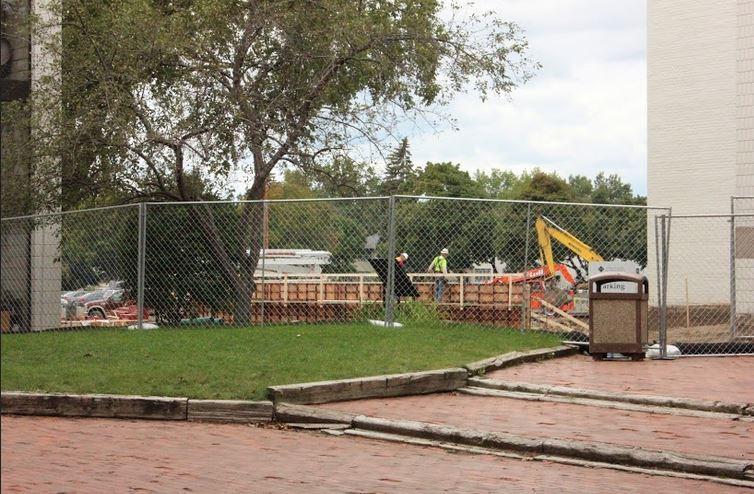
302 414
383 436
515 358
135 407
720 467
411 383
230 411
591 402
651 400
94 405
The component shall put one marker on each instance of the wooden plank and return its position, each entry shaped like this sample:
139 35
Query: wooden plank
566 315
550 322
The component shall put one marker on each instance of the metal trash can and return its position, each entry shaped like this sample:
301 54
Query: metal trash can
618 315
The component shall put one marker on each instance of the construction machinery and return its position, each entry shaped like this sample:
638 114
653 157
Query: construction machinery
553 284
548 230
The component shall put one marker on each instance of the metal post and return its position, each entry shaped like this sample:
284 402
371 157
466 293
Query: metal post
266 218
390 288
664 308
141 263
524 300
658 263
733 267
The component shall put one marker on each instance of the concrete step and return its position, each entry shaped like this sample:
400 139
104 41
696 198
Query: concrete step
658 461
648 400
604 403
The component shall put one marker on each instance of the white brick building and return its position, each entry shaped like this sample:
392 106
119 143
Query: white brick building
700 66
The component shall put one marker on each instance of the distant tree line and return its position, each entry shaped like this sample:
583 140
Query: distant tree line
344 177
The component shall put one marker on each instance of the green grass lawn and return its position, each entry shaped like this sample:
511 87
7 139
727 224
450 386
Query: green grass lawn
240 363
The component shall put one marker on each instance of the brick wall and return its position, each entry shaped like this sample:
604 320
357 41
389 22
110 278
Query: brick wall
700 87
745 98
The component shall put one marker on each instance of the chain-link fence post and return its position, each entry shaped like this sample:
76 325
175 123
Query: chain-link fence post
658 266
390 286
142 240
265 242
732 267
524 293
663 255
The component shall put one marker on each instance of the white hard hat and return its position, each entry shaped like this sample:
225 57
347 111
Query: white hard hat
444 251
405 256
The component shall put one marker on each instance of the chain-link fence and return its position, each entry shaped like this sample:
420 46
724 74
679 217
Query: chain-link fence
709 284
512 264
519 264
69 270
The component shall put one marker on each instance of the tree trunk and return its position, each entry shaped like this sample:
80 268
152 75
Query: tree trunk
252 229
237 261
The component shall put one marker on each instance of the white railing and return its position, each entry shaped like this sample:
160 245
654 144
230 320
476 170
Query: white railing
364 279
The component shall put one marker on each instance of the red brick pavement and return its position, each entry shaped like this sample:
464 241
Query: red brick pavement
692 435
41 454
714 378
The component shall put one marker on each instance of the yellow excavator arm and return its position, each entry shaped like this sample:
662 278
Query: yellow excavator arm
547 230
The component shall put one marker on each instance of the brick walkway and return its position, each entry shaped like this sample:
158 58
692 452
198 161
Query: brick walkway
717 378
42 455
691 435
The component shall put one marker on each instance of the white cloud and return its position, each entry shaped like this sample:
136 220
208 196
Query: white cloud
585 111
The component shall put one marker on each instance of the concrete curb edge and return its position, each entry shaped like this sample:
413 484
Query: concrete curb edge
410 383
720 467
650 400
515 358
134 407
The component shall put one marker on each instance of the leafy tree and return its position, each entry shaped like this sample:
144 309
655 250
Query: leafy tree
610 189
582 188
344 177
447 180
498 184
547 187
157 91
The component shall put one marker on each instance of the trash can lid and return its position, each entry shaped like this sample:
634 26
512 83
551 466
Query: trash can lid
596 283
618 276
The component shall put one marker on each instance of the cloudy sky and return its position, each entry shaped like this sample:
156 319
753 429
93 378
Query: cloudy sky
584 112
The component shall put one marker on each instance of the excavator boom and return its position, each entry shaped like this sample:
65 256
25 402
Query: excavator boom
548 230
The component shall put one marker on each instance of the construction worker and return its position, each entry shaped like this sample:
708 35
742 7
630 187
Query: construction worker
401 260
438 266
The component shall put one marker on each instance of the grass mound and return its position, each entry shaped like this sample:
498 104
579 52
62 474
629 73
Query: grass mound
239 363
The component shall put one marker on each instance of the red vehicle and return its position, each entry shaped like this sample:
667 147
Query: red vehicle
98 308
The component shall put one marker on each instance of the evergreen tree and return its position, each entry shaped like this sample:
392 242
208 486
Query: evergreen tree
399 172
